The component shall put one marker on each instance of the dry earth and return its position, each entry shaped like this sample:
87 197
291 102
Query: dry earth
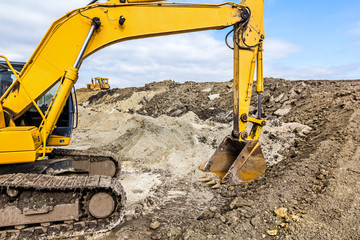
163 131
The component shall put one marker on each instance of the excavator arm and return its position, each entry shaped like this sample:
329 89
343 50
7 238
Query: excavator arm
84 31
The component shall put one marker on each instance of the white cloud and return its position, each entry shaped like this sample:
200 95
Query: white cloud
349 71
356 29
275 49
356 44
185 57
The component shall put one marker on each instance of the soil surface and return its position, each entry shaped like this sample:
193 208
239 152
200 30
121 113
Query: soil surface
163 131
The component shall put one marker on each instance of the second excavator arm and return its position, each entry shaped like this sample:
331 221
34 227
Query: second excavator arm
84 31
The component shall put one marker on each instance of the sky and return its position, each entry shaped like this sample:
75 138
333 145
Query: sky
304 40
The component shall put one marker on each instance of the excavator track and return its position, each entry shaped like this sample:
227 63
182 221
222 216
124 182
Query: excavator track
69 162
38 206
92 162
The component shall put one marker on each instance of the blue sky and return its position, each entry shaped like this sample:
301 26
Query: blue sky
327 34
304 40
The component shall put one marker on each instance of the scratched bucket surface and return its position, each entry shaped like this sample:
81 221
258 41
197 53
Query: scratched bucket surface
236 162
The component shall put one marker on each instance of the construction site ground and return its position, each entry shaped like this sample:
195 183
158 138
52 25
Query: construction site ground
164 131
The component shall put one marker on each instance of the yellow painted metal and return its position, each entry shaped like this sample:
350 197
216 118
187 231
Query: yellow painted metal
244 63
18 157
141 1
67 84
248 165
2 118
260 78
255 131
11 136
42 150
98 83
19 144
239 158
55 140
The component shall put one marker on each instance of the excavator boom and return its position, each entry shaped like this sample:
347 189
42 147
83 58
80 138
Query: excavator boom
119 22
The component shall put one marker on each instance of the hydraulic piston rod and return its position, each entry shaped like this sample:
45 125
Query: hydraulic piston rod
68 82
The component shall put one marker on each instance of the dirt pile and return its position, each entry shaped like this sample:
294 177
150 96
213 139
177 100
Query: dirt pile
164 131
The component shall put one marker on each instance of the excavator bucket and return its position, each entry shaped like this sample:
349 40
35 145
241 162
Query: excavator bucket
236 162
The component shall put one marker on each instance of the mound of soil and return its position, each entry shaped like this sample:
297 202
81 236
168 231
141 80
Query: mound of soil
164 131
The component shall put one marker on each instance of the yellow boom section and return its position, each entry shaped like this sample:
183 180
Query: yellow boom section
60 47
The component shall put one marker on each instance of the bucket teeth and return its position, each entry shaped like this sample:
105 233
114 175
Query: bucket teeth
216 186
212 182
207 179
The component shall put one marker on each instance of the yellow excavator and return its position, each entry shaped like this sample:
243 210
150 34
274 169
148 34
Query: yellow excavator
49 191
98 83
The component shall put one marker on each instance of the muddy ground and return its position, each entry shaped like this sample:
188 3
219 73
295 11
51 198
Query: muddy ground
163 131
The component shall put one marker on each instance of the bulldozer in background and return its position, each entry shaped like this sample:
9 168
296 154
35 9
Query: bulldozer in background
98 83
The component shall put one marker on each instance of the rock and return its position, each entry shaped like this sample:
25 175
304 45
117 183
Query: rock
233 221
291 228
208 215
213 96
129 217
156 236
272 136
213 209
281 212
298 90
223 219
278 98
256 221
206 90
272 232
282 111
240 202
233 203
173 232
284 225
320 177
187 235
295 218
154 225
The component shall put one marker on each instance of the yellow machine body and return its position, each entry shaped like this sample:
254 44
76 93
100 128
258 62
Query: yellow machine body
98 83
83 31
19 144
55 140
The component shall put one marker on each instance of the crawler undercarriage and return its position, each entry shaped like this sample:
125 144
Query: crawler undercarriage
64 195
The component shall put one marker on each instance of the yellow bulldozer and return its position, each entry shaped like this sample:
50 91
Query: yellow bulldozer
98 83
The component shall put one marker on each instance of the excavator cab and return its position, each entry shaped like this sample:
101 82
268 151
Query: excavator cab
61 134
6 76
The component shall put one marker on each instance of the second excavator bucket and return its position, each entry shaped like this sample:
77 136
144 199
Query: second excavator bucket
236 162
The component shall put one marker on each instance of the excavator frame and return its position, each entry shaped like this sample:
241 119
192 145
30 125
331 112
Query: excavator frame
55 63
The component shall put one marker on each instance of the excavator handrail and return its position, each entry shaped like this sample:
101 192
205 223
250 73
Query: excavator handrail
14 82
18 79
